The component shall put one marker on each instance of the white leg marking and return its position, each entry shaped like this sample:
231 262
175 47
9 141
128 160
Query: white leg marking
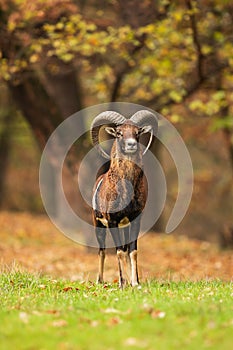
134 268
100 277
122 263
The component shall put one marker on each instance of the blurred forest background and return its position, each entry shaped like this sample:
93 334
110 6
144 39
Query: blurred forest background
176 57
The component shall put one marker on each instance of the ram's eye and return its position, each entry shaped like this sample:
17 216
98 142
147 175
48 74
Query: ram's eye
119 133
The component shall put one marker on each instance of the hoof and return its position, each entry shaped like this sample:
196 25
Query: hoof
136 284
122 283
99 280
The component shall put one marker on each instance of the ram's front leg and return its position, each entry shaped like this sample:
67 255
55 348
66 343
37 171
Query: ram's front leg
133 252
134 265
101 236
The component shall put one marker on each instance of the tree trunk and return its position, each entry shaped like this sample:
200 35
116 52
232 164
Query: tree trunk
159 224
40 111
137 13
44 115
5 145
64 87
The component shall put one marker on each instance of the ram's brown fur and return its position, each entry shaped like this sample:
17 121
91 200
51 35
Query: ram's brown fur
119 199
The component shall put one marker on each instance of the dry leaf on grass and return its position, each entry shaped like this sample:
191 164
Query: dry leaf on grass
114 321
24 317
135 342
59 323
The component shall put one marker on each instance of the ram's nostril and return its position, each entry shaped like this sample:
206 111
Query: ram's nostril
131 143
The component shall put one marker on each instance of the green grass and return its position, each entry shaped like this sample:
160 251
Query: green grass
40 313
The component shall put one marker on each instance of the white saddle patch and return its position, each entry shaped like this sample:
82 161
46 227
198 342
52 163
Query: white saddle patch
103 221
124 222
94 205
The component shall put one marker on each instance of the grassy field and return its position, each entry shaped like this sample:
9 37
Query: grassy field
41 313
48 300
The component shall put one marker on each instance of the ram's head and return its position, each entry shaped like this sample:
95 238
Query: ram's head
126 131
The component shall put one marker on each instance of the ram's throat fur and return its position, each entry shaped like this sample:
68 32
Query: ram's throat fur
127 168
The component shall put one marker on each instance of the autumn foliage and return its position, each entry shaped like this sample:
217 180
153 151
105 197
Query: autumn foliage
176 57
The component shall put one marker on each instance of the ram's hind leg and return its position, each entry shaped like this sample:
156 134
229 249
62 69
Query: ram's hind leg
126 249
121 255
101 236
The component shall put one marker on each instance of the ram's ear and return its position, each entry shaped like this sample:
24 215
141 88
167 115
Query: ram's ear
111 131
145 129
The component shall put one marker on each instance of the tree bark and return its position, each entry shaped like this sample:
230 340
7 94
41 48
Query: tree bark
137 13
64 87
5 146
43 115
40 111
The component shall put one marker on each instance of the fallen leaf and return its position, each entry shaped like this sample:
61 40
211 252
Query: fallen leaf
153 312
42 286
135 342
66 289
114 321
94 323
52 312
111 310
131 341
23 316
158 314
60 323
37 313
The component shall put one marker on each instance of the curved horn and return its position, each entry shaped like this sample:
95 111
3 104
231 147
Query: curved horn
145 117
107 117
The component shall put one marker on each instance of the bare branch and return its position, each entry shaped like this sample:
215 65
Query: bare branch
200 56
136 14
125 69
